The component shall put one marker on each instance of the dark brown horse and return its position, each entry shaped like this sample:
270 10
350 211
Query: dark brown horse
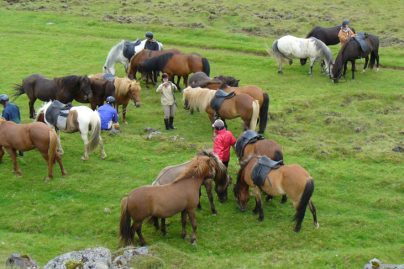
176 64
292 180
241 105
164 201
64 89
26 137
352 51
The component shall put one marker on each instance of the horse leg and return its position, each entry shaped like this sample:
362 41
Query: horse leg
192 218
199 201
138 228
155 223
366 63
208 186
163 226
85 140
353 69
46 156
183 223
314 213
31 108
257 193
124 113
345 68
280 67
268 198
102 151
13 154
1 153
311 65
59 160
284 199
59 144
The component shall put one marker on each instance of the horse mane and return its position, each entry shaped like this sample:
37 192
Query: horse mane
324 48
220 168
197 168
122 86
243 163
156 63
198 98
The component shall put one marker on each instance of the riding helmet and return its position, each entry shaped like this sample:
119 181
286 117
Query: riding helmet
149 35
218 124
345 22
3 97
110 100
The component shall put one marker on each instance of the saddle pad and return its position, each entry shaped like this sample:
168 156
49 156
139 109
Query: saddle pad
108 76
248 137
61 122
262 168
55 110
219 98
361 39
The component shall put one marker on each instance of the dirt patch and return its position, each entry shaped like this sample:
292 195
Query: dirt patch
389 41
119 19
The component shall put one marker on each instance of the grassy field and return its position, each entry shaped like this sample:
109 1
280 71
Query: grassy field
343 134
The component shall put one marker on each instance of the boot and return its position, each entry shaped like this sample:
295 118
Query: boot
172 123
167 124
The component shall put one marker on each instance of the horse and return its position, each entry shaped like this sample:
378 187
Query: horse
240 105
288 47
228 80
222 179
200 79
64 89
122 52
79 119
164 201
352 51
26 137
292 180
123 89
176 64
143 56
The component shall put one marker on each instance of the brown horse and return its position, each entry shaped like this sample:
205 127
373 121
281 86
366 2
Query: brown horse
141 57
241 105
26 137
176 64
292 180
164 201
222 179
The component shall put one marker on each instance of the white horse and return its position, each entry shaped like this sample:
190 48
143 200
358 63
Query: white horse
80 119
289 47
116 55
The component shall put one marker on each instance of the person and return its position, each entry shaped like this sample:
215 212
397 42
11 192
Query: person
223 140
11 112
108 115
167 100
345 33
151 43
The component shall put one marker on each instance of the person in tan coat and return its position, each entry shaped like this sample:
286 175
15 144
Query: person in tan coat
345 33
167 99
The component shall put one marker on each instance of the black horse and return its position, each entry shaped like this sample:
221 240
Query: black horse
352 50
64 89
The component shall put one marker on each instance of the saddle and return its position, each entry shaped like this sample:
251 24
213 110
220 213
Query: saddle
57 113
247 137
262 168
108 76
361 39
219 98
129 48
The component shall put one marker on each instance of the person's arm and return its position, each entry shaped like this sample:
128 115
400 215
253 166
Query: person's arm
351 33
174 86
5 115
160 87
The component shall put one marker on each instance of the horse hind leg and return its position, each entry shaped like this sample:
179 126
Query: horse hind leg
163 227
183 223
366 63
13 154
86 146
258 204
192 218
102 150
137 227
208 186
59 160
314 213
31 108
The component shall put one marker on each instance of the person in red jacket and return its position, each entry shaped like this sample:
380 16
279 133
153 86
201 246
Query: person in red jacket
222 142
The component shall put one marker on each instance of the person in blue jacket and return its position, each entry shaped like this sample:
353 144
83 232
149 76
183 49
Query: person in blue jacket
11 112
108 114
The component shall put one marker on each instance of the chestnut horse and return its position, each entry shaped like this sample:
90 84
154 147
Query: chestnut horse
292 180
164 201
222 179
26 137
241 105
176 64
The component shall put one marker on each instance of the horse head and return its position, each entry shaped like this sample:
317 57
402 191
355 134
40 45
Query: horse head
85 87
134 91
240 191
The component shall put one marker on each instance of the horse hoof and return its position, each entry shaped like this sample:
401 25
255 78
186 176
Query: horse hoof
260 218
183 236
364 70
193 242
377 70
280 72
84 158
103 157
317 225
47 179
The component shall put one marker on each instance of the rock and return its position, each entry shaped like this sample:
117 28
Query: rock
18 261
398 149
107 210
98 258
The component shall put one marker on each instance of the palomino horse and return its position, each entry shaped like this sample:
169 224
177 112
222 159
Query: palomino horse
255 92
123 89
292 180
64 89
141 57
176 64
352 50
26 137
240 105
79 119
122 52
164 201
222 179
289 47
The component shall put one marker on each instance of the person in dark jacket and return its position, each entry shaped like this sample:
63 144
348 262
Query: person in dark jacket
151 43
11 112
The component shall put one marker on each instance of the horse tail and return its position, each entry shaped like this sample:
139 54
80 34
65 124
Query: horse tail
95 132
20 90
304 200
52 147
125 231
206 66
255 114
264 114
276 50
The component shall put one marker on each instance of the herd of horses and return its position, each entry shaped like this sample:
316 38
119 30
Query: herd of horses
177 188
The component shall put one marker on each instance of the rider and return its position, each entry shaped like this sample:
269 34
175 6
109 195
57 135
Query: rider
345 33
11 112
151 44
222 142
108 115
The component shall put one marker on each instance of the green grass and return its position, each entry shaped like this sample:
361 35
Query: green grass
342 134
